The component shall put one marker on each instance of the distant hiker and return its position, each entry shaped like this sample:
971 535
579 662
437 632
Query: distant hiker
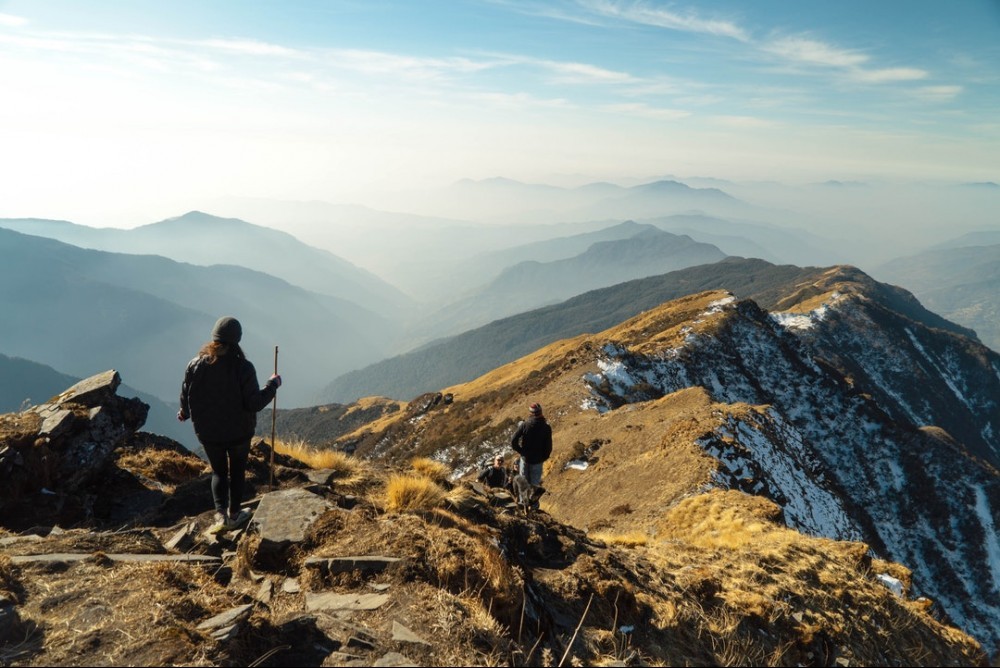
495 475
221 396
533 441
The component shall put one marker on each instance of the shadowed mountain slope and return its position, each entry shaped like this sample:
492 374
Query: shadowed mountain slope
78 310
26 383
860 421
961 283
203 239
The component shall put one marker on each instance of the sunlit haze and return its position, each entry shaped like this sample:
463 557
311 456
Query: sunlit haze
123 113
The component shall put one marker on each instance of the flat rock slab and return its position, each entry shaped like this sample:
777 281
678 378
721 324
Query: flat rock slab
71 557
7 541
183 538
344 659
365 564
227 618
57 423
90 391
402 634
320 476
330 601
285 516
394 659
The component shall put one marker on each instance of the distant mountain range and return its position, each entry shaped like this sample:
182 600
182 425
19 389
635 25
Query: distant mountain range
203 239
84 311
501 200
777 244
529 284
467 355
959 279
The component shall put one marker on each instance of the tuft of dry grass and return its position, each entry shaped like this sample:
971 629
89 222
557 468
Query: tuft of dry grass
430 468
630 539
343 464
405 492
9 584
164 466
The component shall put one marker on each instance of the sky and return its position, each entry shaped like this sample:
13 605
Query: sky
122 113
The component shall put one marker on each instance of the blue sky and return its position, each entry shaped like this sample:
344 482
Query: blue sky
140 107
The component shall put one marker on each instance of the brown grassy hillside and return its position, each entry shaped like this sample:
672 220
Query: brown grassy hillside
722 583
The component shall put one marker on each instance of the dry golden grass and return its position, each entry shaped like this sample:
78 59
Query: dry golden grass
343 464
17 427
412 492
164 466
630 539
430 468
9 584
726 520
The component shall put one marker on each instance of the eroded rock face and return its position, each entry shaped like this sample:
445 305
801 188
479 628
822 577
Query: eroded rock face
50 452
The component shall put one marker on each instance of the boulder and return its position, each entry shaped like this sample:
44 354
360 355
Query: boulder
282 520
63 445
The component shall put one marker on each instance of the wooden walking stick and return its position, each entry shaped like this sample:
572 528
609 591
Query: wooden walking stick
274 414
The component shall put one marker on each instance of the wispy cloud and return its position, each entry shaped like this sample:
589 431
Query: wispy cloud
519 101
249 47
646 111
851 64
584 73
411 67
888 75
813 52
937 93
11 21
646 14
547 9
753 122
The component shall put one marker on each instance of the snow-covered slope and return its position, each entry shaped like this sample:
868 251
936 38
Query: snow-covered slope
862 423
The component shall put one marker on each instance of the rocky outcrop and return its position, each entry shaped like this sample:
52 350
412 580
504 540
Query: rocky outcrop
52 452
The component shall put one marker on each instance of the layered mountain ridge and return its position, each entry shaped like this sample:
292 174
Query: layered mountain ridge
204 239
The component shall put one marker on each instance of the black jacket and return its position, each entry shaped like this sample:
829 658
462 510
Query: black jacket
222 399
494 476
533 440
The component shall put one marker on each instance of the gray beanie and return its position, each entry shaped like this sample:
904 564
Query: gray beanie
227 330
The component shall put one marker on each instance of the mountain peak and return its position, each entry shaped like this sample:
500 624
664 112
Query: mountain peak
201 218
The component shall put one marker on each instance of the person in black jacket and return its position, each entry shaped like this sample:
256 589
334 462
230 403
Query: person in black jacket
533 441
221 397
494 475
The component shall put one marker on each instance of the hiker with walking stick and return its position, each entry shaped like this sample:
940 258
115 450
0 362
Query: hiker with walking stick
221 396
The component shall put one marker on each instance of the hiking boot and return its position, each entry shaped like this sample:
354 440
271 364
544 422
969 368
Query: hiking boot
218 524
237 520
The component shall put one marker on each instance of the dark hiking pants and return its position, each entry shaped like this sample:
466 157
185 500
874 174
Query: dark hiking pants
229 465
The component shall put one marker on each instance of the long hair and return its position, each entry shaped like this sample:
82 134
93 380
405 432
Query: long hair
213 350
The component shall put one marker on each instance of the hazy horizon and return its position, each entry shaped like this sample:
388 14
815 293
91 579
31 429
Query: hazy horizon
122 113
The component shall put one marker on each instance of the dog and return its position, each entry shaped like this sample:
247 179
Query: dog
523 492
526 495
